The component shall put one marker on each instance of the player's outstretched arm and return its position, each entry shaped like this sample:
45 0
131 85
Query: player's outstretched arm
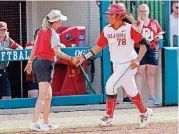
94 50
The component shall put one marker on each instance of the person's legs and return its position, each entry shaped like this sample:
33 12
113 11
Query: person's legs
111 87
131 89
128 82
47 104
111 97
139 76
46 111
110 104
6 90
141 70
150 74
44 88
111 94
42 73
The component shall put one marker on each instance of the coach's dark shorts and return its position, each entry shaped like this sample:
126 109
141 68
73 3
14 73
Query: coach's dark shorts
5 89
42 70
151 56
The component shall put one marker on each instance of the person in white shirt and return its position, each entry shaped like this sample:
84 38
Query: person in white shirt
174 24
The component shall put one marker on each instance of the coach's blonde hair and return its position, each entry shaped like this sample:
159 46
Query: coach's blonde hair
45 24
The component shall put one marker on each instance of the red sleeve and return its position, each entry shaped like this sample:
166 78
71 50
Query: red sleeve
102 41
13 44
136 35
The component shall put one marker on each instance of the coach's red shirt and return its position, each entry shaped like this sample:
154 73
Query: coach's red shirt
44 47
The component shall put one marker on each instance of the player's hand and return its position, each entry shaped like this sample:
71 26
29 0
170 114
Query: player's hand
141 20
75 61
81 60
28 68
134 64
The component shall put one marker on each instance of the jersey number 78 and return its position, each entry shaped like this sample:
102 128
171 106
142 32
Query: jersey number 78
121 41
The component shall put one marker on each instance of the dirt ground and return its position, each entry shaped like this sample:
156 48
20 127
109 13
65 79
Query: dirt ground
126 121
152 128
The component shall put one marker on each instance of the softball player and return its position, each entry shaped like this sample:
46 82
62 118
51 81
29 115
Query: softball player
120 37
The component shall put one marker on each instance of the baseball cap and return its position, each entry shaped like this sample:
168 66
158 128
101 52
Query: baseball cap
3 25
55 15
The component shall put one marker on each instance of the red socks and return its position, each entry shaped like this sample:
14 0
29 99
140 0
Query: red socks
110 105
137 100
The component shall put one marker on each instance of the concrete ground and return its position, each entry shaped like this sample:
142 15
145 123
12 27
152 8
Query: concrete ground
164 121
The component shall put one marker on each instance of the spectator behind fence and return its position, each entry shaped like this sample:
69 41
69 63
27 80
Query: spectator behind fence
150 29
6 43
174 35
31 86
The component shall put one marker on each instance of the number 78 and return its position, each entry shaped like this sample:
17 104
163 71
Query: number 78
121 41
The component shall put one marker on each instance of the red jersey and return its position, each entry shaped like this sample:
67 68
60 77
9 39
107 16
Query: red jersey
150 31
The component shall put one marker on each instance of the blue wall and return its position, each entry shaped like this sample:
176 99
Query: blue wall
170 76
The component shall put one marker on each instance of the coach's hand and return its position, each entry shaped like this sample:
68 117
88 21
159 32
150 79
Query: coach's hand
28 68
74 61
134 64
80 60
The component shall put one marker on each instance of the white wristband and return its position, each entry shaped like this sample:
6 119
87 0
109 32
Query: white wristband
88 55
